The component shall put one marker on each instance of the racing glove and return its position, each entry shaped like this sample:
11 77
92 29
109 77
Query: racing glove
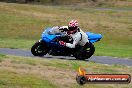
62 43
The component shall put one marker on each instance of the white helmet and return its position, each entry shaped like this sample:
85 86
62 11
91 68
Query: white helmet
73 26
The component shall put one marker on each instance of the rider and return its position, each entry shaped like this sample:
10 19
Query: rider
78 36
73 31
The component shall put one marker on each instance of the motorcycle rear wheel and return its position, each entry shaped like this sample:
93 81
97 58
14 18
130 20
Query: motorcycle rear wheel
87 53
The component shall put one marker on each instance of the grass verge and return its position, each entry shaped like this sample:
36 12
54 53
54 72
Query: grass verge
16 43
27 72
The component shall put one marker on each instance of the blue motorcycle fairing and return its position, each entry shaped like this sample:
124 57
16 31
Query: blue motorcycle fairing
49 38
92 37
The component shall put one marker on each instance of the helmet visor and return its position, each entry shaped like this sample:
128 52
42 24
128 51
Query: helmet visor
72 28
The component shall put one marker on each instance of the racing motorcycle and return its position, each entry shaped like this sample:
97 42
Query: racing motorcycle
49 44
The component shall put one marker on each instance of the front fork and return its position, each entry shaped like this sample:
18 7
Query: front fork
43 43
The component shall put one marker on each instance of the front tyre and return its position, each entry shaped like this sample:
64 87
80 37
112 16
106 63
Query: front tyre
39 49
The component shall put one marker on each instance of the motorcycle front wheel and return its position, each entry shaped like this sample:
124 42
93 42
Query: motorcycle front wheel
39 49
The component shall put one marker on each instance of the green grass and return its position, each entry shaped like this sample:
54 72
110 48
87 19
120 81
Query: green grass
9 79
21 25
67 64
27 72
16 43
116 50
1 57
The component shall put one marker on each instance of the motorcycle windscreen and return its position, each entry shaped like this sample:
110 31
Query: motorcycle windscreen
47 37
93 37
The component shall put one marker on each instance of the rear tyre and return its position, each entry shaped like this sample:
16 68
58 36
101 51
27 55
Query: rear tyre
89 51
39 49
86 53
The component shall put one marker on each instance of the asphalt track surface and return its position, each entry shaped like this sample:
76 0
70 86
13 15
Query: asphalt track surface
98 59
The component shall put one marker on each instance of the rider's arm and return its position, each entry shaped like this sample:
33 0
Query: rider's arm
58 30
76 39
63 28
54 30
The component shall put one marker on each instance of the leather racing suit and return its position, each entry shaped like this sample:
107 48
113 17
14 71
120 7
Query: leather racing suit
79 38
